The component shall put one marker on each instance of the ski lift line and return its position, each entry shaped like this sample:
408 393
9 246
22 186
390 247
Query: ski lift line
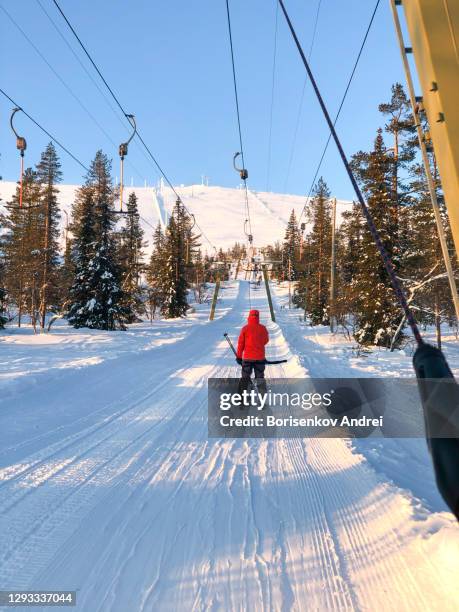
235 81
371 226
75 55
319 165
57 75
89 75
45 131
300 107
238 116
273 81
120 106
54 139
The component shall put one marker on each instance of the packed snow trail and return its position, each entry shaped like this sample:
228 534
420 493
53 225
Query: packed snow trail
128 502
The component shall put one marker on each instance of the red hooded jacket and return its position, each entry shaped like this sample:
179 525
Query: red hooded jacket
252 339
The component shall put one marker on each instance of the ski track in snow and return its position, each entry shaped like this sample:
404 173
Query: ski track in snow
131 504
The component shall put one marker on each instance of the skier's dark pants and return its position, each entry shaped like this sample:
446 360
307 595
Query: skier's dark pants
258 367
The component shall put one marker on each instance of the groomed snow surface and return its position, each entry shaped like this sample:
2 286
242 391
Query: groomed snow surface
109 485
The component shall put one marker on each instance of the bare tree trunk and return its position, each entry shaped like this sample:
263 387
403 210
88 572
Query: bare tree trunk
43 301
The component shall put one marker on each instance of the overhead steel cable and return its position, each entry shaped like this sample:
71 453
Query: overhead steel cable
389 266
58 76
273 82
54 139
45 131
238 116
319 165
92 79
120 106
303 91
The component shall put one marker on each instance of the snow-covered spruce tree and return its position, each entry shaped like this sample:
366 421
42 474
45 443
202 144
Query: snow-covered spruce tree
424 270
48 175
155 272
377 312
130 257
348 254
174 278
291 249
96 297
316 278
81 292
22 248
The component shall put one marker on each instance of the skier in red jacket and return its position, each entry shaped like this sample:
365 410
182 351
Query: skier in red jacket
251 350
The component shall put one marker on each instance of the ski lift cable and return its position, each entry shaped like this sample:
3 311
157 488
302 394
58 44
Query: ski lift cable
389 266
242 171
319 165
58 76
44 130
59 144
120 106
89 75
273 82
115 98
303 91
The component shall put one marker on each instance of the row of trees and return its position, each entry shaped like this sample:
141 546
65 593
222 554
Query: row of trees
396 191
100 279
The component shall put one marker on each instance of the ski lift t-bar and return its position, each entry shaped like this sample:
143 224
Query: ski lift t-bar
235 354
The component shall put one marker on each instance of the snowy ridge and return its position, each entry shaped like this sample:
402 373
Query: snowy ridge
219 211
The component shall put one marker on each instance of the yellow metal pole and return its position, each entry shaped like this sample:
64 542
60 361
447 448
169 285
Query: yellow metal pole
268 292
121 184
433 26
426 163
214 299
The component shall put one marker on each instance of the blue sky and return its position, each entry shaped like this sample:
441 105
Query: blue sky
169 64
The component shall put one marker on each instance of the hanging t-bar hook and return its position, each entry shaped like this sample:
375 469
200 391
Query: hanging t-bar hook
123 151
249 236
242 171
21 145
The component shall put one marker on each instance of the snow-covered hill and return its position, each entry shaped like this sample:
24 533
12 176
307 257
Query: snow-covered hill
219 211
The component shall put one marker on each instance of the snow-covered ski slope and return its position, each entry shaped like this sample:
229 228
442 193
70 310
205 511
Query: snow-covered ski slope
109 485
219 211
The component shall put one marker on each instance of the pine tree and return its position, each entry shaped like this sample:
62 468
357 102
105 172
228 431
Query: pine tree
155 272
401 126
22 247
81 294
291 249
318 249
377 310
96 297
3 316
130 255
48 174
348 255
174 282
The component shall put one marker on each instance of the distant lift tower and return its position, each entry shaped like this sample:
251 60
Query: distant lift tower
433 27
